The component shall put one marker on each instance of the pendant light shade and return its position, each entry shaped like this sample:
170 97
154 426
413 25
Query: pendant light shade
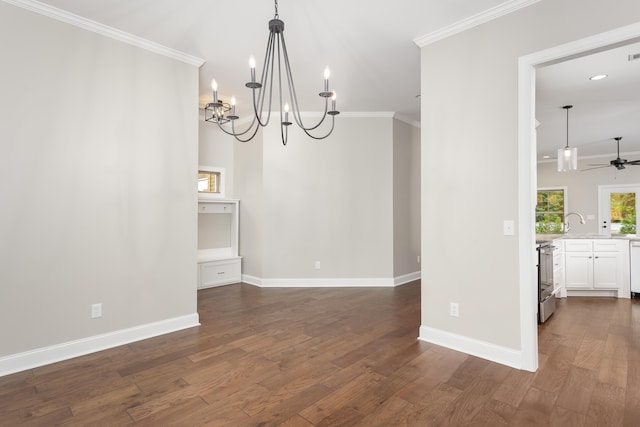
567 156
567 159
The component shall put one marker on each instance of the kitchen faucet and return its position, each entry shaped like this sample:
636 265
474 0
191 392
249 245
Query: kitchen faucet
566 222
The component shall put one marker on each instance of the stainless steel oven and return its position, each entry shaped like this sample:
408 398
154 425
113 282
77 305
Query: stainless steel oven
546 297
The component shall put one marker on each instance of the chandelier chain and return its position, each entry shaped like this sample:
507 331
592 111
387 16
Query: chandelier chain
276 5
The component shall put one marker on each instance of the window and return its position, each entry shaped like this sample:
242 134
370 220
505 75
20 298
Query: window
210 182
623 213
618 207
550 210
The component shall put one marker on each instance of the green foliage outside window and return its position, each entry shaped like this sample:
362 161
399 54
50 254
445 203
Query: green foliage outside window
550 211
623 211
628 224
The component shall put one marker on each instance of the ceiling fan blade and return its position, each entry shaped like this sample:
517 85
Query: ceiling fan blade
633 162
596 167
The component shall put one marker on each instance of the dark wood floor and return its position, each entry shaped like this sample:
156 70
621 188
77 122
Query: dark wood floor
338 357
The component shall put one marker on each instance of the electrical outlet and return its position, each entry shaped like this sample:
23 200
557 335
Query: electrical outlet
418 259
454 310
317 265
96 310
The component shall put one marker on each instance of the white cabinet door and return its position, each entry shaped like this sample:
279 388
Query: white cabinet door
558 270
578 270
606 270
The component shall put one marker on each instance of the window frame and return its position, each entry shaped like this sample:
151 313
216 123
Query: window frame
603 204
221 183
565 207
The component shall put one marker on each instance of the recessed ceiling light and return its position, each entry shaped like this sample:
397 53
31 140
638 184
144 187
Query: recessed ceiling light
598 77
546 157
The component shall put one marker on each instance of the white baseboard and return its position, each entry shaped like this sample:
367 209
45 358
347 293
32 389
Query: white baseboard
251 280
482 349
67 350
596 293
331 283
406 278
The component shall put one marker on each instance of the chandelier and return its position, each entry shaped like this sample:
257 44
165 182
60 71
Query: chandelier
215 111
276 63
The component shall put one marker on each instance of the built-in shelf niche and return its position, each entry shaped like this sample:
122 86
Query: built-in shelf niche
218 260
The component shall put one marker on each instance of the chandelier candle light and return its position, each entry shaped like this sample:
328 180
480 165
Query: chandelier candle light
567 156
276 54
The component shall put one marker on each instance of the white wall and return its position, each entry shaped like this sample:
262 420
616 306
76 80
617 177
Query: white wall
406 198
469 165
216 149
330 201
582 187
248 171
98 153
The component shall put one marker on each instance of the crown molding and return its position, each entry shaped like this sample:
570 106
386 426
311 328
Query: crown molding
407 120
104 30
606 157
347 115
367 114
473 21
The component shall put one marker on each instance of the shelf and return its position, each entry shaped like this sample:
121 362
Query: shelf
219 265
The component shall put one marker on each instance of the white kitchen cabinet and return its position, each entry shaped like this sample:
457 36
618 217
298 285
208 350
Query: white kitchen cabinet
558 269
578 270
595 265
218 230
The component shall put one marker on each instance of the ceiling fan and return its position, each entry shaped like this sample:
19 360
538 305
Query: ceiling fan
617 162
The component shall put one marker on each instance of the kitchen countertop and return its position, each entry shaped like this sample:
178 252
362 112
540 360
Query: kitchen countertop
549 237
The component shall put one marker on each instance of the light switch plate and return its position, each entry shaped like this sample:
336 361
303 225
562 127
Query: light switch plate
509 227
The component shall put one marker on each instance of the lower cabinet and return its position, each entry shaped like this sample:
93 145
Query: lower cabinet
593 264
219 272
558 270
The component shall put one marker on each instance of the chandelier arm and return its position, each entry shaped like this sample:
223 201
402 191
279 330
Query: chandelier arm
233 131
237 136
297 115
292 89
333 123
259 105
273 59
284 129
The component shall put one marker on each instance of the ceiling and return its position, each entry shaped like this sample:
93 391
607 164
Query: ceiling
375 65
602 109
368 44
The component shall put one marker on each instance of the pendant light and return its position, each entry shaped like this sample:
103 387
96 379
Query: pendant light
567 156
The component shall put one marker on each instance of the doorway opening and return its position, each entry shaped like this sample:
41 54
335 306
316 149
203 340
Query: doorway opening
527 174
